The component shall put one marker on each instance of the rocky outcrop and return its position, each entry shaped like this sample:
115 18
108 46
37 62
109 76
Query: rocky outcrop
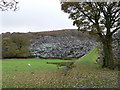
61 47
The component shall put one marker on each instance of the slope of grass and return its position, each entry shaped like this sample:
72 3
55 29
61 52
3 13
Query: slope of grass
89 59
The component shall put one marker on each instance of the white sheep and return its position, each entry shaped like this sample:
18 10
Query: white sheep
29 64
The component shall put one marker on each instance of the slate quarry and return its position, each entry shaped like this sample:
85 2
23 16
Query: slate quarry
61 47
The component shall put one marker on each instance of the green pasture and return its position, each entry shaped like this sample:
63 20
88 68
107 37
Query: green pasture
86 73
19 65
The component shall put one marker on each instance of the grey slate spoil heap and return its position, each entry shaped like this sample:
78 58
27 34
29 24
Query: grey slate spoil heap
61 47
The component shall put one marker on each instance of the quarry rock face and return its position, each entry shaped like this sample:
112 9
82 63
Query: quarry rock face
61 47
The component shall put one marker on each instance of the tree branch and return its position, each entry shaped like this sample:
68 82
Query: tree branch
88 17
5 5
101 8
115 30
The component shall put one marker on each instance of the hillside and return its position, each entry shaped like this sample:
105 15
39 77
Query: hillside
33 36
67 43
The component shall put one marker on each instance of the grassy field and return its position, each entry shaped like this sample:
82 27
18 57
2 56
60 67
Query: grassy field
86 74
19 65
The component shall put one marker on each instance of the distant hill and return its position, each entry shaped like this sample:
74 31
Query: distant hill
33 36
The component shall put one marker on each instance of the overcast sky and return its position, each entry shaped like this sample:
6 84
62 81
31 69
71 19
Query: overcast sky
35 16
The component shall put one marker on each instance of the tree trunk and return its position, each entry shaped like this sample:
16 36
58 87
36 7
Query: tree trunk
108 60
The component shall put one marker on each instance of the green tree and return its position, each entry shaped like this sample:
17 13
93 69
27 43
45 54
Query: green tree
15 46
101 18
22 44
8 48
